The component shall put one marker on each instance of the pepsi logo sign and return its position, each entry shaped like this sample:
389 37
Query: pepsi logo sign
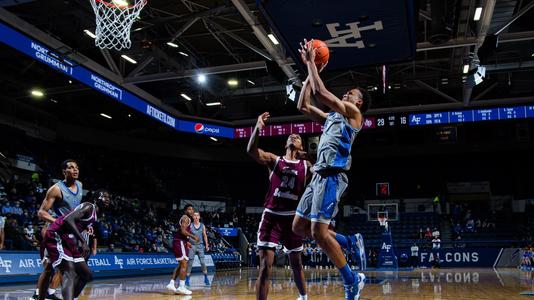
199 127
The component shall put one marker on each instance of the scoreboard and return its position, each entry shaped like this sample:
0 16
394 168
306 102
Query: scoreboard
472 115
400 120
281 129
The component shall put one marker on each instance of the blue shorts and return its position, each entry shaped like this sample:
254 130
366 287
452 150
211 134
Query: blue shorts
320 200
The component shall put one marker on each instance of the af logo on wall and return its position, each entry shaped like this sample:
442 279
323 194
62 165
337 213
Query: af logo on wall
351 36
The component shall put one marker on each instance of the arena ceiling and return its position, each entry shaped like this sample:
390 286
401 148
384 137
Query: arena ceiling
226 40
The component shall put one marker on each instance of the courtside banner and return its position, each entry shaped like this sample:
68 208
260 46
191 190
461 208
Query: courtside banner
457 258
356 32
97 82
19 263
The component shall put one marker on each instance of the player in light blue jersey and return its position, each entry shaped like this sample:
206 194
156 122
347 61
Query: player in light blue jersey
62 197
319 204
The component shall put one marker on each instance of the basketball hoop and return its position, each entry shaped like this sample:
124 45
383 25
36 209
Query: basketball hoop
113 22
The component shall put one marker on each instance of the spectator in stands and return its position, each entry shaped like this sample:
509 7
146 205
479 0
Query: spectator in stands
470 225
2 234
12 235
29 236
458 242
435 233
436 246
7 209
458 229
414 258
421 233
111 248
17 210
428 233
456 213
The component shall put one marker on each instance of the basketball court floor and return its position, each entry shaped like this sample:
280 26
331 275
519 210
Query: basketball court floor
323 284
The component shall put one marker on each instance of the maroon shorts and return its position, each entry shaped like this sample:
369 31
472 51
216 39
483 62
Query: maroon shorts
181 252
61 247
277 230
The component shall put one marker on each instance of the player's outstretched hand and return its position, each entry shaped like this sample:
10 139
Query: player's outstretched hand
262 119
307 52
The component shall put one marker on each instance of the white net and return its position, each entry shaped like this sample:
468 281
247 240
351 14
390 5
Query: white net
114 21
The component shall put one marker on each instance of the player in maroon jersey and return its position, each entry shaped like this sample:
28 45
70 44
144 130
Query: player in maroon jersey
287 178
61 243
180 249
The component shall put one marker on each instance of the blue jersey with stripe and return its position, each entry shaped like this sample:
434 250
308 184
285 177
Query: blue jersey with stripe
69 199
335 144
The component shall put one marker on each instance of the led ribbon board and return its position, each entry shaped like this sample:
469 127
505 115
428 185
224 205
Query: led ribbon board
43 54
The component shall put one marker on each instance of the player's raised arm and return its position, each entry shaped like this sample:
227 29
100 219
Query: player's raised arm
305 106
262 157
318 88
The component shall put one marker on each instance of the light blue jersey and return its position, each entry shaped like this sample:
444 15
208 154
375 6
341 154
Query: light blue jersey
335 144
69 199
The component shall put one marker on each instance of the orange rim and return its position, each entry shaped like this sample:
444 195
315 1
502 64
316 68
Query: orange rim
111 5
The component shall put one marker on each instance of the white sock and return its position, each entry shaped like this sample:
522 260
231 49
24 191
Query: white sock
182 283
37 292
303 297
51 291
171 282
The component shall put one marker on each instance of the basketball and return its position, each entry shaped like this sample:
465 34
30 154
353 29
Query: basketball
322 52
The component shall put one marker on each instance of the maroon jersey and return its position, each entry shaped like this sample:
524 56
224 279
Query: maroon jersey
287 183
179 236
59 224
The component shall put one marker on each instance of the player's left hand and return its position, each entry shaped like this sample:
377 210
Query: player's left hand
90 230
207 248
307 52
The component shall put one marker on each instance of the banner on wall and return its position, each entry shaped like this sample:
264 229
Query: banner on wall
458 258
47 56
14 263
225 231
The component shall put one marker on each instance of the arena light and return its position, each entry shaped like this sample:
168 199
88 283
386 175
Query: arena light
106 116
478 14
128 59
201 78
273 39
213 104
183 53
253 83
37 93
214 139
186 97
89 33
466 69
233 82
171 44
